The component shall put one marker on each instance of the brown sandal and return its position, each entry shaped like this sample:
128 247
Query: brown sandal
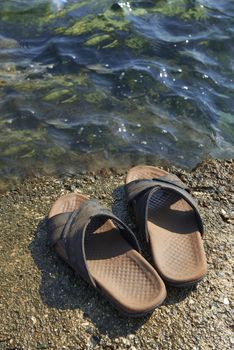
168 217
105 252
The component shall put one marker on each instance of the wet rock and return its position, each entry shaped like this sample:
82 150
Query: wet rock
116 7
8 43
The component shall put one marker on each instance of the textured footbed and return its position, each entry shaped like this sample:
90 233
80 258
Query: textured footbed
176 243
120 272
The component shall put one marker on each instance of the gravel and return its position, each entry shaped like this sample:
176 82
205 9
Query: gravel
44 306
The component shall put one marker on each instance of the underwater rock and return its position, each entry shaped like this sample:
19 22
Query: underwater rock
8 70
57 94
8 43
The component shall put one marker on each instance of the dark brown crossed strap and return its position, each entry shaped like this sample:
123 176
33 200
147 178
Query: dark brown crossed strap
71 228
139 193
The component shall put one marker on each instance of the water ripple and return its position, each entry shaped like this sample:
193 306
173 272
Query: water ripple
82 81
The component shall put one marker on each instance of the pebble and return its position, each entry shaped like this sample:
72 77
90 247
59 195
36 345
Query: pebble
227 216
126 342
34 320
226 301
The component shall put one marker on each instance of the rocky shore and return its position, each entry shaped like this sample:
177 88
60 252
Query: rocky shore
44 306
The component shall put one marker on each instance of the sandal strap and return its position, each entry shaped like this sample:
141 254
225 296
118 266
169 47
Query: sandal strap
139 193
75 231
136 187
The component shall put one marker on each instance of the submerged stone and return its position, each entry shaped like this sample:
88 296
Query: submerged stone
104 22
98 39
57 94
8 43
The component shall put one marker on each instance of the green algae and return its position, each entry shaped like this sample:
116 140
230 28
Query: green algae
50 88
57 94
136 42
96 97
3 83
185 9
104 22
198 13
97 39
53 152
8 135
67 11
113 44
27 19
38 17
104 41
26 143
71 99
21 80
15 149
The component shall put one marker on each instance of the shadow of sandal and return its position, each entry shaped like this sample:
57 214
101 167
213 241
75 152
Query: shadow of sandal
61 289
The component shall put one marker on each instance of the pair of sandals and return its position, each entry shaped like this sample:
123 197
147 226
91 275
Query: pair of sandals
105 252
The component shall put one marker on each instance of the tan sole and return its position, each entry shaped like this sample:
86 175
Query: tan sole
121 273
176 243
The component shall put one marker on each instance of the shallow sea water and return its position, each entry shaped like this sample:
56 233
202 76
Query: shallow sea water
90 84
